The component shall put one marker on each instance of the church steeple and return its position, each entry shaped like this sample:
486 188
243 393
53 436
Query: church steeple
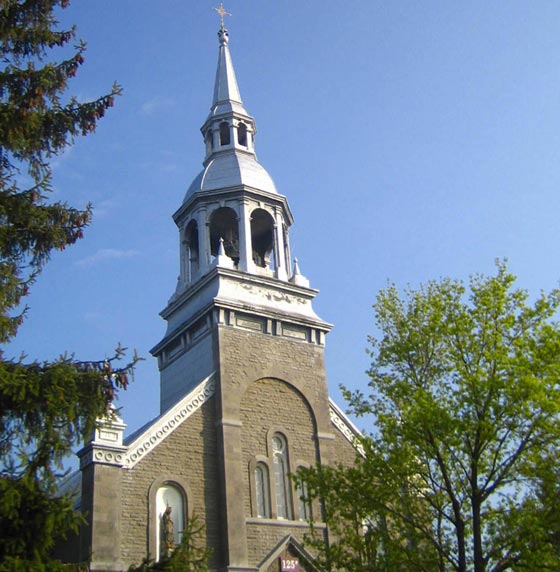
235 259
233 198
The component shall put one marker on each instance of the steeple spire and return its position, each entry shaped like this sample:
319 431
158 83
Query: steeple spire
226 91
228 126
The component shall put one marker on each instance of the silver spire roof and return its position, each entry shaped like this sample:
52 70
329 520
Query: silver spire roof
232 163
226 91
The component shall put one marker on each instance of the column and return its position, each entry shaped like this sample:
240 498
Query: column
203 240
246 263
183 263
279 258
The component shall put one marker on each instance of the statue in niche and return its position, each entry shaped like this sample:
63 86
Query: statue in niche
167 534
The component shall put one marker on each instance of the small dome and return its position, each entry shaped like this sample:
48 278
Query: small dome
232 170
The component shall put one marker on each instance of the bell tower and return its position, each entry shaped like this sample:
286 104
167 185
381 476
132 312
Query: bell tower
233 242
242 316
254 224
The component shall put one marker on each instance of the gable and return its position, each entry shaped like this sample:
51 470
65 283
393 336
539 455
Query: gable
287 547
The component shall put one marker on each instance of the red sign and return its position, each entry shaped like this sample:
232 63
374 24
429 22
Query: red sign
289 564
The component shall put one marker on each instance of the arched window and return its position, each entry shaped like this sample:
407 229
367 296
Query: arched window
192 251
242 134
262 237
281 479
223 224
224 133
262 490
171 511
304 504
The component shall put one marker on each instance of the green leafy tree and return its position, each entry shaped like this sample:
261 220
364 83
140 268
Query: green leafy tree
189 556
460 471
45 408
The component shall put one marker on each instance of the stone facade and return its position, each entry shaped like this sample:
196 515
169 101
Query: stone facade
208 447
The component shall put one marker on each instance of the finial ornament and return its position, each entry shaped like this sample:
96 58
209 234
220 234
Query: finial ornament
222 12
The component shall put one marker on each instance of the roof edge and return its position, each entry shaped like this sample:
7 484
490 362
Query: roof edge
167 423
342 422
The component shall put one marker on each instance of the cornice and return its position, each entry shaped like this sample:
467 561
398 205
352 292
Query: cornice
102 454
272 284
243 190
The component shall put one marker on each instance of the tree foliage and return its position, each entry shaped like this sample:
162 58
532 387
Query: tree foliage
460 470
45 408
37 121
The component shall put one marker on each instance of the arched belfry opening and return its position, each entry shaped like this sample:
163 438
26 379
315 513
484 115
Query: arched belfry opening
242 134
223 224
224 133
262 237
192 250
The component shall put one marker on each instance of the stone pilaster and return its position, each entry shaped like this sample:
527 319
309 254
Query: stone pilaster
234 527
101 462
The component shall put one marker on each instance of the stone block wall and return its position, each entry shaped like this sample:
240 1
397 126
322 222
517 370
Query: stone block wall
265 383
245 357
269 406
268 383
344 451
188 454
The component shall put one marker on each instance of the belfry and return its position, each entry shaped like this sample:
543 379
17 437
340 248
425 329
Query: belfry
244 398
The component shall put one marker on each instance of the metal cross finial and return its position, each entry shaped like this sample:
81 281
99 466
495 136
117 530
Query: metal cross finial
222 12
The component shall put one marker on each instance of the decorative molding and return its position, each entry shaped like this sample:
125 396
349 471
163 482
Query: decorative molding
345 426
297 332
274 296
169 421
248 323
103 454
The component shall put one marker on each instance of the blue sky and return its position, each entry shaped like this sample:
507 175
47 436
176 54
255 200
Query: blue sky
413 140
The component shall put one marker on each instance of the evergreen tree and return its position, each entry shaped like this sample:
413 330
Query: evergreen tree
37 121
45 408
460 470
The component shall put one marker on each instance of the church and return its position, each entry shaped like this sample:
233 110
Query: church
243 391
